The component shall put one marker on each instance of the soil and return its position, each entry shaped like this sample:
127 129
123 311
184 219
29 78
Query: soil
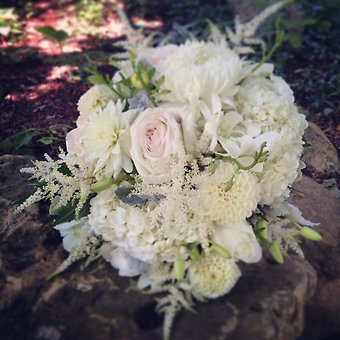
37 87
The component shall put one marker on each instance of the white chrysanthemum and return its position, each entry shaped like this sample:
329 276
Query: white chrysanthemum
201 74
128 228
106 140
95 98
233 205
213 276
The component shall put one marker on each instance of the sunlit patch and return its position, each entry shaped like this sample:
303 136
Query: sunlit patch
147 24
60 72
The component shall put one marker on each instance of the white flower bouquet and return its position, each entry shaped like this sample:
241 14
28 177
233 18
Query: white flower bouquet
180 167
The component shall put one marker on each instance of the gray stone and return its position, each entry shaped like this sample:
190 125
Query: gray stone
320 157
323 310
268 302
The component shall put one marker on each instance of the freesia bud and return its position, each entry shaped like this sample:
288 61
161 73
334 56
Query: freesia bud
275 251
310 234
101 185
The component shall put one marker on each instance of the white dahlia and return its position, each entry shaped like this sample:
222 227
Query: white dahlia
234 204
106 140
201 74
213 276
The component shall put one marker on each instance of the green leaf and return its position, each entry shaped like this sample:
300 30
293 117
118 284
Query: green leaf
294 39
179 268
46 140
97 79
15 142
260 4
217 248
51 33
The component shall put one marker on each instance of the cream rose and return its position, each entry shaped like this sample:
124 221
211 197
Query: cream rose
239 239
155 136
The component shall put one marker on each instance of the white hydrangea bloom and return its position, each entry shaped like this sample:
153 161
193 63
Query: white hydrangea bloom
233 205
106 139
268 102
121 260
201 74
95 98
213 276
128 228
282 167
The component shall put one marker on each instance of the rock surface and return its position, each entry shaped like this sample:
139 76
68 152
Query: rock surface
94 303
320 156
323 310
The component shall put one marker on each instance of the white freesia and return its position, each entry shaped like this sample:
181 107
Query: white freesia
240 241
74 233
106 139
295 213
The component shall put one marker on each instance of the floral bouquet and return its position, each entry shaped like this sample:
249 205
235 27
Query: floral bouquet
180 167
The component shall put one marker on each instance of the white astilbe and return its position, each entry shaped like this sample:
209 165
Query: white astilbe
178 297
89 248
244 33
57 187
176 213
288 238
134 43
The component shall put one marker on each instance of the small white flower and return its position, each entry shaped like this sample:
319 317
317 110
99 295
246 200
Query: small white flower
239 239
74 233
212 276
97 97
